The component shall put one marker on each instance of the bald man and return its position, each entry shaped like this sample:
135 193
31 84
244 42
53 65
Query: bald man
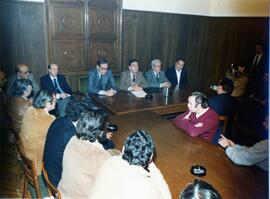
22 72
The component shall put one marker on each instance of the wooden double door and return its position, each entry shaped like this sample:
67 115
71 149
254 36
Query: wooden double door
81 31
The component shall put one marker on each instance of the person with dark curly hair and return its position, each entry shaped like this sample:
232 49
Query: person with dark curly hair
199 189
59 134
83 157
132 175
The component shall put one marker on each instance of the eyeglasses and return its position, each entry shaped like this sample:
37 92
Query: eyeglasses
25 72
102 68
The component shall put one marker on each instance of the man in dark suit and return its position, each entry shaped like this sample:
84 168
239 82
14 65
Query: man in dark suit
100 79
259 62
177 74
56 83
224 103
155 77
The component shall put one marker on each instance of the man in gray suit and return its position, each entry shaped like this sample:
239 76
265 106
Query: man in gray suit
100 79
22 72
155 77
133 79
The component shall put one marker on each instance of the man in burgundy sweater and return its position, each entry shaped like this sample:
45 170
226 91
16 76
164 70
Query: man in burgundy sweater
200 120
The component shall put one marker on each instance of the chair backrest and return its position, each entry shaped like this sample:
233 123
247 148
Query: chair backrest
223 119
52 190
30 172
223 122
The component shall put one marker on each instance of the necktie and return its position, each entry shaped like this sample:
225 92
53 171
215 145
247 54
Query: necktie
133 78
254 63
157 78
100 82
56 86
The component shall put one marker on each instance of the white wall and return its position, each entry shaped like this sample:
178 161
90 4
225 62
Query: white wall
202 7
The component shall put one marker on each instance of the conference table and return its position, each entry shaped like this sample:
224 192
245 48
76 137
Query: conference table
176 152
125 102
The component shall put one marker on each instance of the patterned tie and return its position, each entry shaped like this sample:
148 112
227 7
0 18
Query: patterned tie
56 86
157 78
133 78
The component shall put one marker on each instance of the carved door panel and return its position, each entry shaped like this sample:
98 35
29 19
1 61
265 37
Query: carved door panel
81 31
104 32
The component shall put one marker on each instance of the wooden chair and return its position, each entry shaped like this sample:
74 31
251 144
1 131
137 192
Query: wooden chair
223 123
20 173
224 120
52 190
31 177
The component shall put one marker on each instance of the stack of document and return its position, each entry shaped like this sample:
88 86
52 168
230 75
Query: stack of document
139 93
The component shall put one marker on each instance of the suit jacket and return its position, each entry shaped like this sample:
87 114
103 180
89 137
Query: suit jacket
261 67
152 80
172 77
47 84
223 104
15 109
116 174
59 134
81 162
35 125
94 84
13 78
125 81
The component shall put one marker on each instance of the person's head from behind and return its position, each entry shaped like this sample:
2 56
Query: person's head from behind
197 102
21 88
22 71
75 108
138 149
241 68
133 66
199 190
102 66
156 65
225 86
44 100
179 64
53 69
90 126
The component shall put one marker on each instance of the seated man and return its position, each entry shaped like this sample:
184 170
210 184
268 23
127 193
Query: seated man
56 83
100 79
177 74
59 134
224 103
200 120
242 155
22 72
133 79
155 77
132 175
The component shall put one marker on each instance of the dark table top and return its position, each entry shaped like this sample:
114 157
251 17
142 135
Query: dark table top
177 152
125 102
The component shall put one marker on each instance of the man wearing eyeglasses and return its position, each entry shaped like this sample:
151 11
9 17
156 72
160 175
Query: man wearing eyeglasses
22 72
100 79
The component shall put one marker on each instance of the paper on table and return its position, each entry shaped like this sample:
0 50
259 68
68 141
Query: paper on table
139 93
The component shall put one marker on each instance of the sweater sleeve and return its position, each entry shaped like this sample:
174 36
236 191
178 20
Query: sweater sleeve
243 155
207 124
